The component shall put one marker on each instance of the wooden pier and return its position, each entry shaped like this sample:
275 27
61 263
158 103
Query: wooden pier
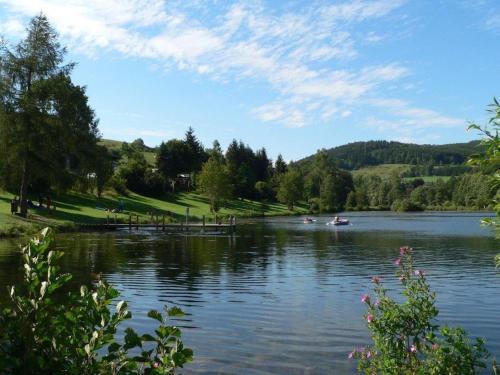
158 223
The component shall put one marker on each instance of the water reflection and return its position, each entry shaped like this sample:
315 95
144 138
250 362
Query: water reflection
281 296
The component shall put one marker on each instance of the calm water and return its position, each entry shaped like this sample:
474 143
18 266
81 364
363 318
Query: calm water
283 297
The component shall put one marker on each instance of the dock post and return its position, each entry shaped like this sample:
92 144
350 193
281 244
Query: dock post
203 227
137 223
129 221
107 221
187 218
115 219
163 223
233 224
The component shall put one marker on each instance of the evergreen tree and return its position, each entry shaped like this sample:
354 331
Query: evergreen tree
46 125
196 156
280 166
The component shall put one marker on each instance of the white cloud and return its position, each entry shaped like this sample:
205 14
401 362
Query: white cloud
493 22
409 116
399 120
373 38
296 52
11 27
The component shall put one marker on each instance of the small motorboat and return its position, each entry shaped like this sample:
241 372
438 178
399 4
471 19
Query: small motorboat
338 221
308 220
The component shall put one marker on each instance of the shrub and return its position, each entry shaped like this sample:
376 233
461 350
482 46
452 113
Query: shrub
47 331
119 184
406 338
405 205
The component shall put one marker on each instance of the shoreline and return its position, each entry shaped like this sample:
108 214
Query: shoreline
28 227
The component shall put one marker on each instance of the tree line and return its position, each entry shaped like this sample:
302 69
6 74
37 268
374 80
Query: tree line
237 172
361 154
49 141
468 191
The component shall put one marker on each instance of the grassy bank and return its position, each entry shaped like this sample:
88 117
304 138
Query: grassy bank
75 208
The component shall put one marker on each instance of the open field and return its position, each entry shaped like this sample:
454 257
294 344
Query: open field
75 208
383 170
113 145
428 178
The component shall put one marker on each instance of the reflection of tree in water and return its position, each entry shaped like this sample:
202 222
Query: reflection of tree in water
186 260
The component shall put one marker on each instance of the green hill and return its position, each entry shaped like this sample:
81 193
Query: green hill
363 154
77 208
115 146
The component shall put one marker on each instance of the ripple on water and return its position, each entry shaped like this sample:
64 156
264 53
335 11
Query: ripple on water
283 297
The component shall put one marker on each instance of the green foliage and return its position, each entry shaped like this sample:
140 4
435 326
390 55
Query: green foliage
46 125
280 165
471 191
290 189
405 205
214 183
328 184
46 330
240 162
361 154
490 160
406 337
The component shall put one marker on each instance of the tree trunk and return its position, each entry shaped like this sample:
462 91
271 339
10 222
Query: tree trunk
23 194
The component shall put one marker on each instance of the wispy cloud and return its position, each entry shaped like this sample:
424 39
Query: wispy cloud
300 53
399 120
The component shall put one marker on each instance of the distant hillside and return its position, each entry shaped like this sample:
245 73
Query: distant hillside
362 154
115 146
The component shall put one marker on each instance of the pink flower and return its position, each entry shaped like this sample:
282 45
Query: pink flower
368 354
397 262
156 364
435 346
376 279
350 355
370 318
413 349
419 273
404 250
377 302
365 298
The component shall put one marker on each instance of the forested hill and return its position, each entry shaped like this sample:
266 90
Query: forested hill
361 154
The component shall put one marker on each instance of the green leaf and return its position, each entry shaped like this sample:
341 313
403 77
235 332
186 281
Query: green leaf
113 347
155 315
147 337
131 339
175 312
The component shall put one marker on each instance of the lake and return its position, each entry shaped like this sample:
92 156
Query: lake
283 297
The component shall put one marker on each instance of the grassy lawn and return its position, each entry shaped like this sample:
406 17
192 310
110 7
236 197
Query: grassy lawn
74 208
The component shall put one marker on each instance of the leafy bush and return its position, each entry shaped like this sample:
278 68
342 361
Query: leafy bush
406 338
406 205
119 184
47 331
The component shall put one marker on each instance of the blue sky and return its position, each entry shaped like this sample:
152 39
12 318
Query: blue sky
290 76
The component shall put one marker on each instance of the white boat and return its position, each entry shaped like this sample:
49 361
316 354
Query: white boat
339 222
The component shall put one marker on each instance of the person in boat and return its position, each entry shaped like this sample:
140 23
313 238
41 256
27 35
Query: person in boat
336 219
